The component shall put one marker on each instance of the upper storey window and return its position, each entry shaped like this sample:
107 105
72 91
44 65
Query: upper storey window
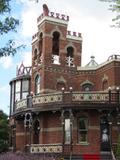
55 47
17 90
40 43
105 85
25 88
35 54
69 58
87 87
37 84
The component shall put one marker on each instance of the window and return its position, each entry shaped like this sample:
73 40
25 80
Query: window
60 85
25 88
67 131
55 47
82 130
35 54
69 57
18 86
37 84
36 130
25 85
105 85
17 90
87 87
70 51
12 97
40 43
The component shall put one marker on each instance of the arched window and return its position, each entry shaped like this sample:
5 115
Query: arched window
60 85
105 85
35 54
69 56
70 51
82 129
40 43
55 43
37 84
87 87
36 131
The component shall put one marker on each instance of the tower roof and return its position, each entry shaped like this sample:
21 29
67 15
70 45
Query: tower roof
92 63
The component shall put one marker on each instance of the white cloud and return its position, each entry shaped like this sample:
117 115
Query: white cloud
6 62
27 57
29 22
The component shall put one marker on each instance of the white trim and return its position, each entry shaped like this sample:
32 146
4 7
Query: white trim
74 38
97 67
52 19
35 39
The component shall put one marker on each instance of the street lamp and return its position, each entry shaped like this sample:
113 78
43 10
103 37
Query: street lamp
71 88
63 89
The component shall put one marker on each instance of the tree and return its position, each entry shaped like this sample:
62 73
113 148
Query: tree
4 132
7 24
115 7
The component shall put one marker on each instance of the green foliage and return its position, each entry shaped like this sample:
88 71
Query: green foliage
4 6
115 7
4 132
7 24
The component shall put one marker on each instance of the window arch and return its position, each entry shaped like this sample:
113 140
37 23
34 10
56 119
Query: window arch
87 87
60 85
35 54
40 43
69 57
70 51
105 85
55 43
37 84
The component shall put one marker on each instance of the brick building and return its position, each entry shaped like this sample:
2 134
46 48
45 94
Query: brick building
56 105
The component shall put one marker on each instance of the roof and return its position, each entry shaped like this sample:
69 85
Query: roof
92 63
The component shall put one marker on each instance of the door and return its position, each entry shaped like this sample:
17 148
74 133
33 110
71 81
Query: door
105 134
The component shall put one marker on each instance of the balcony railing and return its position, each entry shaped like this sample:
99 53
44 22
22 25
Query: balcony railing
55 59
45 148
65 98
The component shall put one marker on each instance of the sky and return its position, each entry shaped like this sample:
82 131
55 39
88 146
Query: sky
91 18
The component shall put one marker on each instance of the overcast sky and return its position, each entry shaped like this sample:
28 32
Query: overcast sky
91 18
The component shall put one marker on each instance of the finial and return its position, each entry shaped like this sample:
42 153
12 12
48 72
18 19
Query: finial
45 10
92 57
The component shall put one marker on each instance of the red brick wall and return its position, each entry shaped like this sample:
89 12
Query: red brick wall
20 136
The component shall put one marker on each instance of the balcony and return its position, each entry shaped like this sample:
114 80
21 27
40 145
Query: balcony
77 100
